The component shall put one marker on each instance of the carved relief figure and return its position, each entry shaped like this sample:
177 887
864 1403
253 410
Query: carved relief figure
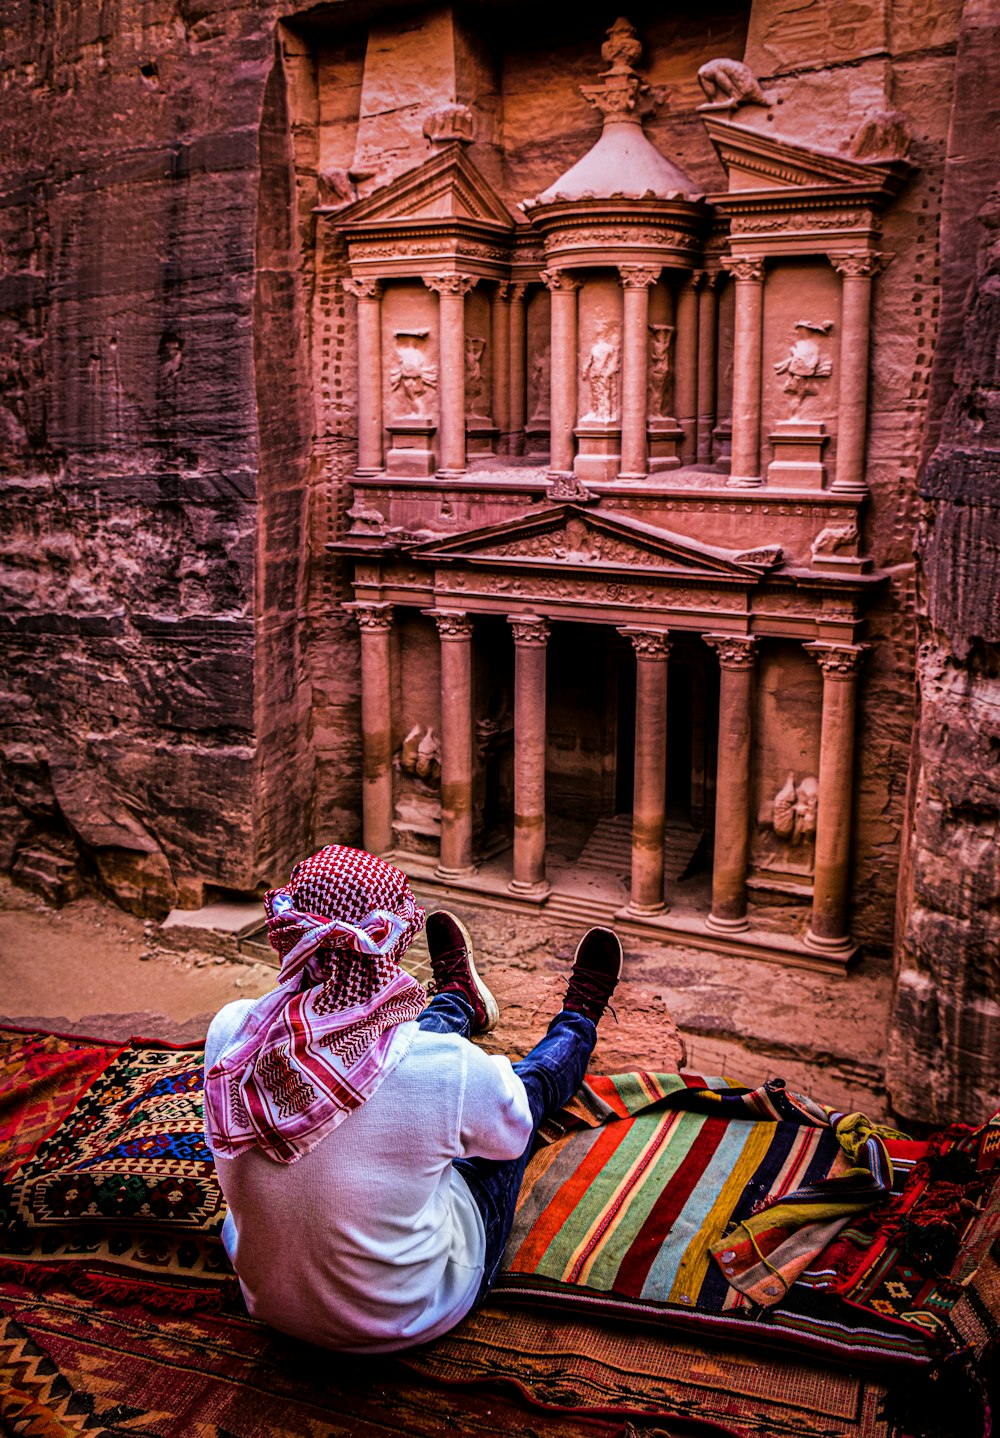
660 370
795 810
805 362
412 377
882 135
601 373
540 387
834 538
475 347
728 84
420 756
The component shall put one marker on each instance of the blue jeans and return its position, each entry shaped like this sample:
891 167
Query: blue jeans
551 1073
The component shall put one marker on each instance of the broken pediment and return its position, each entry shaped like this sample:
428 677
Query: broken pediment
757 162
448 186
594 539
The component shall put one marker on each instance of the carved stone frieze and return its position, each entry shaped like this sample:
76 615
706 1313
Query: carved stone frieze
530 631
364 289
449 284
837 661
744 268
735 651
648 643
638 277
802 222
580 237
404 249
768 555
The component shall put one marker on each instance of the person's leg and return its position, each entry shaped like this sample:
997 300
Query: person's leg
449 1013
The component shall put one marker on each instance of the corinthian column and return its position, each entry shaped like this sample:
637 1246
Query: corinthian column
745 468
737 657
375 622
686 367
455 631
368 293
518 369
451 291
828 926
530 639
707 328
652 652
500 362
636 281
857 273
564 365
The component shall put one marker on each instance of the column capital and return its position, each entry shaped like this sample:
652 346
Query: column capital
517 292
639 277
502 292
706 279
450 623
864 264
530 630
748 268
559 280
365 288
648 643
735 651
450 284
371 616
837 661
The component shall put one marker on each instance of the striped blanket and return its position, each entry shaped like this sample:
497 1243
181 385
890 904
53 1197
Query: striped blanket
702 1197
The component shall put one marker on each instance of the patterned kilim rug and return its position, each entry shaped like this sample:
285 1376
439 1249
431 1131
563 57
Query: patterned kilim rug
644 1204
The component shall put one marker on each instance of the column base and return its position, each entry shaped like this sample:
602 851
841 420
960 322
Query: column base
468 872
720 925
452 473
860 490
636 478
369 471
644 911
526 889
745 481
842 945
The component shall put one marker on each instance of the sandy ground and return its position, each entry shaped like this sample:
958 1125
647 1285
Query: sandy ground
101 971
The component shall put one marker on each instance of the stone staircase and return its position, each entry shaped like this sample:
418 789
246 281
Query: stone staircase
608 853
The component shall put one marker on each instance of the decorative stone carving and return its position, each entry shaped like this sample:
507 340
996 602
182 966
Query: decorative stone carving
866 264
744 268
735 651
882 135
413 377
336 188
558 280
648 643
794 810
364 289
601 373
638 277
452 626
541 386
835 538
371 616
623 95
450 284
837 661
728 84
768 555
449 123
805 363
420 756
475 405
567 487
530 630
365 519
660 370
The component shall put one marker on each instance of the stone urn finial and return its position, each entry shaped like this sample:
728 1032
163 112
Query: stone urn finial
622 97
622 49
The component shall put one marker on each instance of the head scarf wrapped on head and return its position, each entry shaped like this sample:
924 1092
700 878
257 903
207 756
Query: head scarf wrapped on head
320 1045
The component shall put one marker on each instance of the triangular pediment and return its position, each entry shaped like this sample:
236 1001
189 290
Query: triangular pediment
755 161
448 186
593 539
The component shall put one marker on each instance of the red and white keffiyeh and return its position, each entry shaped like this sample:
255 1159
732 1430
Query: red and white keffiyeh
320 1045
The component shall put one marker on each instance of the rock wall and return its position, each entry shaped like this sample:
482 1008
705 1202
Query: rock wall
150 699
944 1047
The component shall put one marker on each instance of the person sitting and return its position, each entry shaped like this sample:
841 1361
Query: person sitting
370 1155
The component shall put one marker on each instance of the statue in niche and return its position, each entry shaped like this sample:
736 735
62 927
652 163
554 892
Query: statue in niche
412 377
420 756
475 347
541 387
601 373
805 363
795 806
728 84
660 370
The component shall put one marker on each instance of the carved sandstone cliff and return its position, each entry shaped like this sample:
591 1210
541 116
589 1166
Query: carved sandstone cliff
944 1051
